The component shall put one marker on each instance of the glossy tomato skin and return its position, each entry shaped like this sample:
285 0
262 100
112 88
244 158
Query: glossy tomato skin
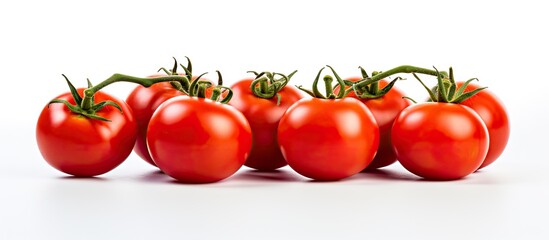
144 101
197 140
85 147
327 139
494 115
263 116
385 109
440 141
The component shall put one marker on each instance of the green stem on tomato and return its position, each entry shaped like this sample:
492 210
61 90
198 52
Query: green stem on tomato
87 101
202 86
399 69
263 86
268 85
328 86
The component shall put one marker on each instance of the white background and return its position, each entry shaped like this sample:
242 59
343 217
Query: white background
503 43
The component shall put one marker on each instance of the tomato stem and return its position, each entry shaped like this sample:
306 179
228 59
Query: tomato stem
396 70
446 89
269 86
328 86
263 86
87 101
202 86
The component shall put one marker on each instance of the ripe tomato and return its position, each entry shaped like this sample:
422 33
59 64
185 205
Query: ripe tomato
385 109
81 146
144 101
198 140
440 141
328 139
493 114
263 116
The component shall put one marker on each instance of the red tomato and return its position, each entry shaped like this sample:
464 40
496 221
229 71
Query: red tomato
328 139
440 141
385 109
81 146
263 116
493 113
198 140
144 101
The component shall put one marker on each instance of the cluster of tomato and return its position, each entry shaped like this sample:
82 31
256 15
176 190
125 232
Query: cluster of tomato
197 131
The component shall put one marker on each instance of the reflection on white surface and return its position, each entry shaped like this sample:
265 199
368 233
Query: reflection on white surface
136 201
140 202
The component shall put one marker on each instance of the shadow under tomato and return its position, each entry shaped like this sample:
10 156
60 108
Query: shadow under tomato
155 176
160 177
316 181
387 174
77 178
266 176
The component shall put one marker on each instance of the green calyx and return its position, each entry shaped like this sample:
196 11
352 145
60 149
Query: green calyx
183 84
446 89
90 112
328 86
369 89
198 89
265 84
86 106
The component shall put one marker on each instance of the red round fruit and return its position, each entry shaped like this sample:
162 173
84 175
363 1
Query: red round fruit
385 109
328 139
440 141
492 111
197 140
144 101
81 146
263 116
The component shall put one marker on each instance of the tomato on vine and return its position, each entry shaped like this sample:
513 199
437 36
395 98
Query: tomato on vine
145 100
385 102
442 139
328 137
493 113
263 101
199 140
86 132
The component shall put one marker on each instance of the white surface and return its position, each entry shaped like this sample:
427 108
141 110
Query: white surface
498 43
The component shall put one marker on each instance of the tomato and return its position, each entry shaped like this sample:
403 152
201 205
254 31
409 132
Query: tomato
440 141
328 139
144 101
198 140
495 117
81 146
263 116
385 109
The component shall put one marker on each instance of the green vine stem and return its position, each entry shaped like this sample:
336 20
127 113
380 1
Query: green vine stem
446 89
328 86
182 86
87 100
371 91
396 70
265 85
198 89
